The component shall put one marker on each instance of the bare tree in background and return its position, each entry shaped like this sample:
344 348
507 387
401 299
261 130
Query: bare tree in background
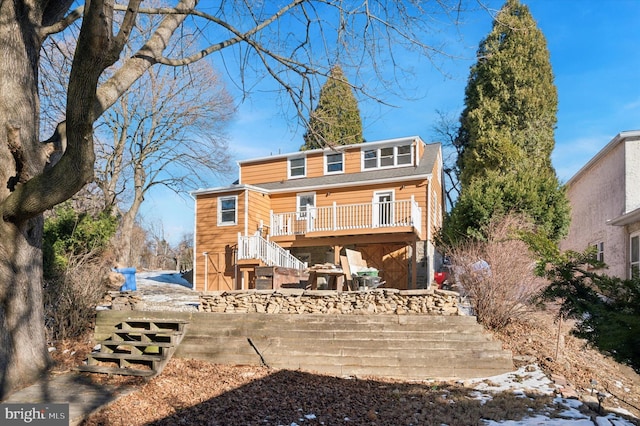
446 130
167 130
288 42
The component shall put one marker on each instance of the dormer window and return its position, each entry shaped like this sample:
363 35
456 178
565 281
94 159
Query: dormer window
297 167
404 155
334 163
389 156
386 157
371 159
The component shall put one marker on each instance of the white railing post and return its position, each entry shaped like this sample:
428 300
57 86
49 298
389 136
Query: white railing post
309 218
272 223
334 216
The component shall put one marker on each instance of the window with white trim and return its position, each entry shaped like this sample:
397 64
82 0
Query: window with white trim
598 251
227 210
386 157
389 156
634 256
305 200
404 155
371 159
334 163
297 167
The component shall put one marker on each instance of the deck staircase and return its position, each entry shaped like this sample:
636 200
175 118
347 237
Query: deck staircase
255 247
137 347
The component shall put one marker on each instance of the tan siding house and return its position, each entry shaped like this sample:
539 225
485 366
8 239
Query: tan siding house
605 206
383 199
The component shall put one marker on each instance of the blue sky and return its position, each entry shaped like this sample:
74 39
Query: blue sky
595 54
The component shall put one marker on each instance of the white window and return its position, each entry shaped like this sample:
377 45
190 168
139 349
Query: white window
305 200
634 256
404 155
599 251
297 167
371 159
227 210
387 157
334 163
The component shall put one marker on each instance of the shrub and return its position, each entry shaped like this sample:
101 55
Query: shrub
74 251
70 298
607 309
503 288
68 233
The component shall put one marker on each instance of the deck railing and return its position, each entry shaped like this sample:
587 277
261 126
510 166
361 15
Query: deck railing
256 247
348 217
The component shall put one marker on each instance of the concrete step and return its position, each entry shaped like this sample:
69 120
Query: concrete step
408 347
373 343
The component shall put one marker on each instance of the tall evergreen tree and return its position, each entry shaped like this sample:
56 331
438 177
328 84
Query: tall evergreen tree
336 119
506 132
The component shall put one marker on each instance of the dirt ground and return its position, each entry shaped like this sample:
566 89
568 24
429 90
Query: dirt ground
190 392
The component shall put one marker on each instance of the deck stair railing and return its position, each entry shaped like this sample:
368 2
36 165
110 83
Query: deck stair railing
257 247
336 217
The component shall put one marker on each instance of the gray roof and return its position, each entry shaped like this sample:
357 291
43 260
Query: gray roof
422 171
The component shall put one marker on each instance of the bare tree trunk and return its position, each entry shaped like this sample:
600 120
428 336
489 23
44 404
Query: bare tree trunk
27 189
23 349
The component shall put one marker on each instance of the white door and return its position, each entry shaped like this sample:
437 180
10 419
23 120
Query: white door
382 209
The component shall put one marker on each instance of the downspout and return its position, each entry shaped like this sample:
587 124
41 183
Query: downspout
246 233
246 212
193 256
428 242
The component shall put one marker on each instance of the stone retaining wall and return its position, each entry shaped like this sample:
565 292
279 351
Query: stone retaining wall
290 301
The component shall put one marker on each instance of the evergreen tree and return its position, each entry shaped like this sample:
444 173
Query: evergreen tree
336 118
506 132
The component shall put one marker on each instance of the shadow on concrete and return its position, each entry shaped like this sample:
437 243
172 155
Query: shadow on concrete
82 394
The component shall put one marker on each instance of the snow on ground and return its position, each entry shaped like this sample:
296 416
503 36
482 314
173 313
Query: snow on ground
164 289
157 278
532 379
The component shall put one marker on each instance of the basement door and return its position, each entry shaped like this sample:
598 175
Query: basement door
392 260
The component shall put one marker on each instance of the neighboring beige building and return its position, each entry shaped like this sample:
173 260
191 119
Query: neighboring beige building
605 206
383 199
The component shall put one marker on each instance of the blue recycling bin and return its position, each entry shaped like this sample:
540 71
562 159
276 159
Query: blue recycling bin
129 278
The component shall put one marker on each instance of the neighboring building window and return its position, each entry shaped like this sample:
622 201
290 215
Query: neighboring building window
635 256
297 167
227 210
304 201
334 163
599 251
387 157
